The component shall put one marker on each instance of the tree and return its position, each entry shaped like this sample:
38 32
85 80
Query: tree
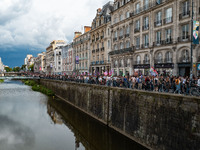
16 69
31 67
8 69
23 67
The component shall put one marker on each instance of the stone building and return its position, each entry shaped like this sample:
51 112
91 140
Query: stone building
153 33
101 40
50 65
67 59
1 66
81 47
39 64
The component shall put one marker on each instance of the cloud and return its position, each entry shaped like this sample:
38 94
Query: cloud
14 134
35 23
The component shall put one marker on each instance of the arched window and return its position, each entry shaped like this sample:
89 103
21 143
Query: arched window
121 46
168 57
121 17
115 47
127 14
185 56
121 32
127 44
138 59
115 64
146 59
159 58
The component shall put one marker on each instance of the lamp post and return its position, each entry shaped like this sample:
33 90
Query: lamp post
191 65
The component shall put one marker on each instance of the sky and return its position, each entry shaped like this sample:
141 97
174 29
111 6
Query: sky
29 26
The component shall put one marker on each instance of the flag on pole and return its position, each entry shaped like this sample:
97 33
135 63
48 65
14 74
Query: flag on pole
153 71
196 32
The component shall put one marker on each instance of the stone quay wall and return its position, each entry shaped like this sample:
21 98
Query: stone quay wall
156 120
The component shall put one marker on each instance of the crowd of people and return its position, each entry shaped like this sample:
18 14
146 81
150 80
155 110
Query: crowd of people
168 84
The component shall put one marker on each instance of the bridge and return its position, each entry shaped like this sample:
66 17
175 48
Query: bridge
17 78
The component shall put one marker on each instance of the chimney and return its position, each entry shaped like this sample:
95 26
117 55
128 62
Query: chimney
87 28
77 34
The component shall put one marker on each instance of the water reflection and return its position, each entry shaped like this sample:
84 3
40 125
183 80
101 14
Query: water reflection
89 132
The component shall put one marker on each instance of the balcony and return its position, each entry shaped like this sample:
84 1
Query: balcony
184 38
115 39
146 61
158 23
93 51
97 50
102 37
184 59
127 35
157 43
145 27
122 51
97 62
168 20
102 49
168 60
121 37
97 39
158 61
138 62
184 14
145 45
137 30
93 63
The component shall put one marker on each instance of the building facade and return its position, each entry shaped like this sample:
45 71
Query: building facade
50 64
1 66
39 64
160 36
68 59
81 46
101 40
28 61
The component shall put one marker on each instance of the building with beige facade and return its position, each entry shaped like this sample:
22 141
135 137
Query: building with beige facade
153 33
101 40
50 53
40 63
81 47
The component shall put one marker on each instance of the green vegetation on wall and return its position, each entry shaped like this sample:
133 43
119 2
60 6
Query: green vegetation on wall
39 88
1 80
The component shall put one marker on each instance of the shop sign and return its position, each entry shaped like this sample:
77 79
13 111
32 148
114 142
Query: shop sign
198 67
144 66
166 65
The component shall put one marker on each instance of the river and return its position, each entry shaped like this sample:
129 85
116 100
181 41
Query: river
32 121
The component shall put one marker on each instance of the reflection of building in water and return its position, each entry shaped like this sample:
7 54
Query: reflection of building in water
56 118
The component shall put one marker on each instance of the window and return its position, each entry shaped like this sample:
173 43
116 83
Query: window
168 15
146 59
146 22
158 37
127 44
137 42
128 30
138 59
108 43
137 8
168 57
158 18
115 34
146 4
121 46
185 31
127 14
185 55
168 35
121 17
159 58
121 32
146 40
115 47
138 24
185 8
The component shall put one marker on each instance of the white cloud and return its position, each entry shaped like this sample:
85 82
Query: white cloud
35 23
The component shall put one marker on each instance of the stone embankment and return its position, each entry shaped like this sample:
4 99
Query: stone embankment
156 120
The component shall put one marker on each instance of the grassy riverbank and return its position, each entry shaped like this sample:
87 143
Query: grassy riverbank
39 88
1 80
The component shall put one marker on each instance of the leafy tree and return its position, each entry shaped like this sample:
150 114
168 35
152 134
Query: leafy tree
31 67
16 69
23 67
8 69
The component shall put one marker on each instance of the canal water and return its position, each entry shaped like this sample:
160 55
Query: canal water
32 121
